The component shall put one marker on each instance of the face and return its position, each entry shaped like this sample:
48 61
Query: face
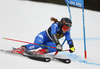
65 28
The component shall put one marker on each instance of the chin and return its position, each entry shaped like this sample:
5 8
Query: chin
64 31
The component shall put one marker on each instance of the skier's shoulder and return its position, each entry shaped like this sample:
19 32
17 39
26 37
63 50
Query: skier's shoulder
55 24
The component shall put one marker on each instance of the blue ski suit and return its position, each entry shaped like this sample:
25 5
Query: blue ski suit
45 38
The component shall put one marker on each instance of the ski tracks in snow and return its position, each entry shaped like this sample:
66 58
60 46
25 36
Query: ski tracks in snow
75 57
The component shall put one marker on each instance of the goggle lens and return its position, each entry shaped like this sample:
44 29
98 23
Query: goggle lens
66 27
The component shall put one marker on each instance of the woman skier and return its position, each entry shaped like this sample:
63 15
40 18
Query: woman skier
50 37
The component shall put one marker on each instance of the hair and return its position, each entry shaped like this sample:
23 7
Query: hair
54 19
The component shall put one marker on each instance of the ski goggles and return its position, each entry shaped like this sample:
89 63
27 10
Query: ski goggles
64 27
67 24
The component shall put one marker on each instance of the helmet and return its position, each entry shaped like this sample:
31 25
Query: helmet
65 23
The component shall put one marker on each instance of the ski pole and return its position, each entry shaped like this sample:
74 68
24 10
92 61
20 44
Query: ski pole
28 42
31 43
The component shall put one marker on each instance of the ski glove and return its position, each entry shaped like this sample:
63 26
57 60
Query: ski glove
58 47
72 49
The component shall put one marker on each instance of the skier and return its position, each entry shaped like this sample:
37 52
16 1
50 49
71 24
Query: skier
50 37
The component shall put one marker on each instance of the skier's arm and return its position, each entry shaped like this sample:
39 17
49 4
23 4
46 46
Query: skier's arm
55 39
70 42
54 28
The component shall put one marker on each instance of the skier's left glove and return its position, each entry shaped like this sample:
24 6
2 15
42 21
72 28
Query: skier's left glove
59 47
72 48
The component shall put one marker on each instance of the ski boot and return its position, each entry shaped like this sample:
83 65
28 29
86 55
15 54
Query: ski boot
20 50
39 53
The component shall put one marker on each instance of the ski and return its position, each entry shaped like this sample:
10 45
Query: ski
39 58
43 59
67 61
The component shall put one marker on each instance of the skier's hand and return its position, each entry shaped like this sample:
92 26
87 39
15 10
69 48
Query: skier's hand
59 47
72 49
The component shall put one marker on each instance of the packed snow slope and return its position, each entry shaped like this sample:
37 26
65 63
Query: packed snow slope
23 20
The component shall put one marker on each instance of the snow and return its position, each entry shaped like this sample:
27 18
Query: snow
23 20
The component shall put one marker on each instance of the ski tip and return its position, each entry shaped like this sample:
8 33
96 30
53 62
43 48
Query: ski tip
47 60
67 61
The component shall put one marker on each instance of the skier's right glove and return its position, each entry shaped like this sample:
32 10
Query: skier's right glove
59 47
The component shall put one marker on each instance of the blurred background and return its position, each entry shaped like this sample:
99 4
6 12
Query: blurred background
88 4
